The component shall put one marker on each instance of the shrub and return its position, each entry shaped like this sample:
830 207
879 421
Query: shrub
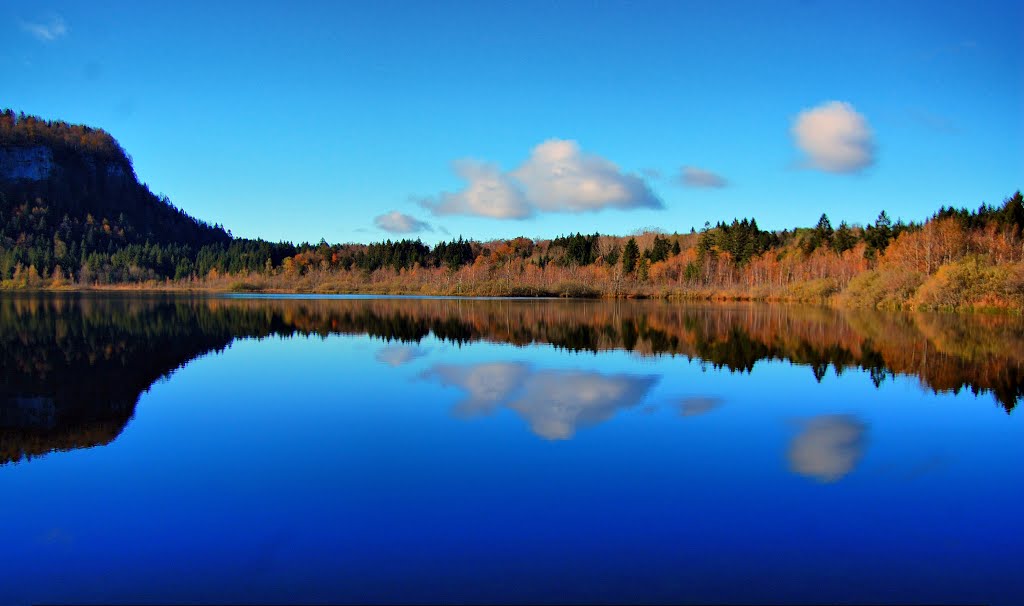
890 287
972 282
243 286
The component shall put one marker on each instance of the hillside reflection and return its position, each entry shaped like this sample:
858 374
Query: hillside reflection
74 366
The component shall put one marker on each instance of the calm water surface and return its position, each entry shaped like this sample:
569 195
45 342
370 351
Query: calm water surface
170 449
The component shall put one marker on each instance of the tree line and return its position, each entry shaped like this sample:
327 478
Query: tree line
92 223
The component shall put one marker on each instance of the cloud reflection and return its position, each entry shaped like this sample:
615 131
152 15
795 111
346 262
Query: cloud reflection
829 447
397 355
698 405
556 403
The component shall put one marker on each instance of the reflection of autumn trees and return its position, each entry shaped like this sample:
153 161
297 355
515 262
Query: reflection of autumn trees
946 352
73 366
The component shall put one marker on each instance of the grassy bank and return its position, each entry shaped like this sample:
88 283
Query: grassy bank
968 284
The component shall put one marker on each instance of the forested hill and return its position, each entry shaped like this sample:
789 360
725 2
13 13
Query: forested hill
70 200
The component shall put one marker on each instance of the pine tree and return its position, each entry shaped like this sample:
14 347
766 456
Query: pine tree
630 255
824 229
643 267
1013 211
844 239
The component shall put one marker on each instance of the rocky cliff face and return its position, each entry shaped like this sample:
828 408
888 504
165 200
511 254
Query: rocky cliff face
31 163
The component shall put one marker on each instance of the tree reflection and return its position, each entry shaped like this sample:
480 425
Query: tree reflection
73 366
74 369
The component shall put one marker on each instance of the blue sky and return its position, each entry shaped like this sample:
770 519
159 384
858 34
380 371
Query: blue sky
489 119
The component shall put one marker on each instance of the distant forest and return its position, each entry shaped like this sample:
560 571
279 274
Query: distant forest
89 224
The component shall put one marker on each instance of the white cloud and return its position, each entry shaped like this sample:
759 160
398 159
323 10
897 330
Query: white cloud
691 176
557 177
488 193
554 402
47 31
828 448
398 223
835 138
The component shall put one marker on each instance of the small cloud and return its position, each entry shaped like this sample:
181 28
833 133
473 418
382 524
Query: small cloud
47 31
557 177
691 176
398 223
835 138
698 405
654 174
829 447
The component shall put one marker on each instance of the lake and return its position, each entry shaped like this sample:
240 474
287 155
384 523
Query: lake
358 449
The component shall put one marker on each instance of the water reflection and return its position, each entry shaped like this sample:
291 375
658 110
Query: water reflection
73 367
554 402
698 405
397 355
73 370
332 470
828 447
486 385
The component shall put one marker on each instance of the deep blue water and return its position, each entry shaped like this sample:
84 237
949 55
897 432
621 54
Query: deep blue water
322 462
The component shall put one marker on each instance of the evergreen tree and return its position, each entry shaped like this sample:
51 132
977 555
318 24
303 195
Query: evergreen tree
643 267
820 236
877 236
659 250
1013 211
630 256
824 229
613 255
844 239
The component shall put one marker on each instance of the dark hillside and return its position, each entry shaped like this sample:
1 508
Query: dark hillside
68 192
72 208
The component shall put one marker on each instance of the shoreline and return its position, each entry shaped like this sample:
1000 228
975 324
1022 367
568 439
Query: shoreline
833 301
